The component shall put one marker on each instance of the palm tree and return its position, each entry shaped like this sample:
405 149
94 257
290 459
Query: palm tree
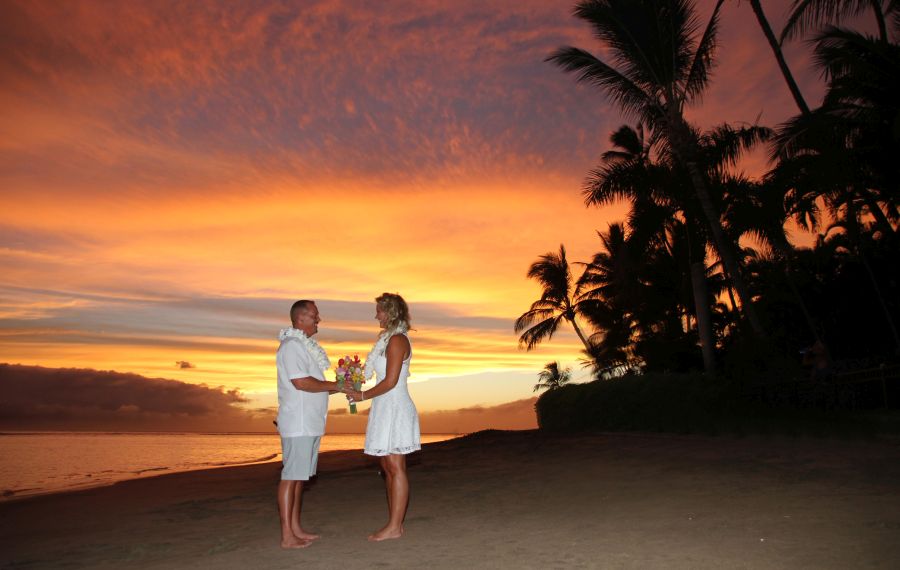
845 151
556 304
810 14
640 170
552 377
655 190
662 66
774 44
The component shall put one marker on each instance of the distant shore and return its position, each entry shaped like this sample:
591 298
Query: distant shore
500 499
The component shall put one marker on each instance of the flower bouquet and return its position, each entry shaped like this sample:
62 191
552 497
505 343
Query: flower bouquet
350 370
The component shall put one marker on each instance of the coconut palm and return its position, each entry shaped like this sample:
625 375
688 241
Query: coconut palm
660 65
775 46
556 304
845 151
640 170
807 15
552 377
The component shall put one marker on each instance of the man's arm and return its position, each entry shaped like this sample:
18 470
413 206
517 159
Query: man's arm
310 384
298 365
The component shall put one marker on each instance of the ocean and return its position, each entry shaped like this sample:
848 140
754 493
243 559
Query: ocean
36 463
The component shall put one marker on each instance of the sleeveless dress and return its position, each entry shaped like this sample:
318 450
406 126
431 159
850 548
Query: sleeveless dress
393 426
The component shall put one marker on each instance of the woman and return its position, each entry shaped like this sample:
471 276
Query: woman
393 428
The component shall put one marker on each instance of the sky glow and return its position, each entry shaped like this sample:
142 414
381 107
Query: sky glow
175 174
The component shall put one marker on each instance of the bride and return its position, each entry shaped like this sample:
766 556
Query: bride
393 428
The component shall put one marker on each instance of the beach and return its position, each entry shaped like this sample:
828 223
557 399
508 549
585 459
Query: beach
500 500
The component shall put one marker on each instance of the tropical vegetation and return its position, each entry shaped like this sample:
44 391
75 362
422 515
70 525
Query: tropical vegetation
701 275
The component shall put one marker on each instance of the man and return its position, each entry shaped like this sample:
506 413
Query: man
302 407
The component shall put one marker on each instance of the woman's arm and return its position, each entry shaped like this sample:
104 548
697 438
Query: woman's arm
396 352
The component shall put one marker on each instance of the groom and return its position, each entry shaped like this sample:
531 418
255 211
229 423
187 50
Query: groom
302 407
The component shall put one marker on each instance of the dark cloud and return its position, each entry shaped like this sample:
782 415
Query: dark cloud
184 364
35 397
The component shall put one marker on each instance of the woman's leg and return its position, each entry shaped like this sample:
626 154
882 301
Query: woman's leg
388 478
397 484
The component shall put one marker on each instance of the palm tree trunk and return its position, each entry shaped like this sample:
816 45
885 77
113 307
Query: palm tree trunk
779 56
853 229
704 321
681 140
584 341
879 19
732 267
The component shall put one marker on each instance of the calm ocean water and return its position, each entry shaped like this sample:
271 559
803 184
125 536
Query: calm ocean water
36 463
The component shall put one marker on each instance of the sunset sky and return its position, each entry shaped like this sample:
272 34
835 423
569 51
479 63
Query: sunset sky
175 174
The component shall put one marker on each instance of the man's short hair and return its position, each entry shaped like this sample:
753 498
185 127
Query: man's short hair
300 306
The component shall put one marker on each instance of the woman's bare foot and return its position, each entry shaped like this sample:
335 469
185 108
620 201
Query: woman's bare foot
294 542
387 533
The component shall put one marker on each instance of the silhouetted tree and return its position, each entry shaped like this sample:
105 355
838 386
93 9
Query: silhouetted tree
552 377
556 304
661 66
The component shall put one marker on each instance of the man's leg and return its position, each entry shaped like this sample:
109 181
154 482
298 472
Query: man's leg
288 499
296 527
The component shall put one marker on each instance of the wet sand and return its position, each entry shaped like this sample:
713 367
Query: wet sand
500 500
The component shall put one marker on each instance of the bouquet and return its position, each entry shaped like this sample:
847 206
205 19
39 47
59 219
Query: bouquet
350 370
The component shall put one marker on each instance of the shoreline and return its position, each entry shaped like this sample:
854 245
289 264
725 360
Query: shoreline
91 475
495 498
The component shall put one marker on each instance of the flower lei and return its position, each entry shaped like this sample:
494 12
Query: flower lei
312 347
380 347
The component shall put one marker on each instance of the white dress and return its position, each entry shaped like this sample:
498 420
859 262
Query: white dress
393 426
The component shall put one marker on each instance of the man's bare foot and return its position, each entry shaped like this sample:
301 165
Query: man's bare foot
294 542
387 533
303 535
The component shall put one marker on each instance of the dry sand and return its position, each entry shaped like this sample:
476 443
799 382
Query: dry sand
501 500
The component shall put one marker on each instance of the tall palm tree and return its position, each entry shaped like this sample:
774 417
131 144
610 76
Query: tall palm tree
807 15
656 192
775 46
552 377
661 66
659 189
556 304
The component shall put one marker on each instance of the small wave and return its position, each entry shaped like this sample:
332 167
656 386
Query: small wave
139 471
9 493
243 462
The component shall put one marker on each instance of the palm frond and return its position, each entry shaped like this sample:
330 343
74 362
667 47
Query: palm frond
540 332
699 75
807 15
630 97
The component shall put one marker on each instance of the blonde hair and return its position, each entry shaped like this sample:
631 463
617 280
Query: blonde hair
396 309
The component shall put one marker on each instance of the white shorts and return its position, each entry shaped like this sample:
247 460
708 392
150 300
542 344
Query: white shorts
300 455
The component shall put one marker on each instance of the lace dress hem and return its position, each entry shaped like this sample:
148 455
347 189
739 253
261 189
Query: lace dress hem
395 451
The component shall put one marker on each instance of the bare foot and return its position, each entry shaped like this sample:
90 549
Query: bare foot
295 542
387 533
303 535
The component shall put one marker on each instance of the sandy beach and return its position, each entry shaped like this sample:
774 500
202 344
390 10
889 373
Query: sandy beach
501 500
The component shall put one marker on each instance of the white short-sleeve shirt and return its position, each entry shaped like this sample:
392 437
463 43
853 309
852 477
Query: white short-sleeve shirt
299 412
